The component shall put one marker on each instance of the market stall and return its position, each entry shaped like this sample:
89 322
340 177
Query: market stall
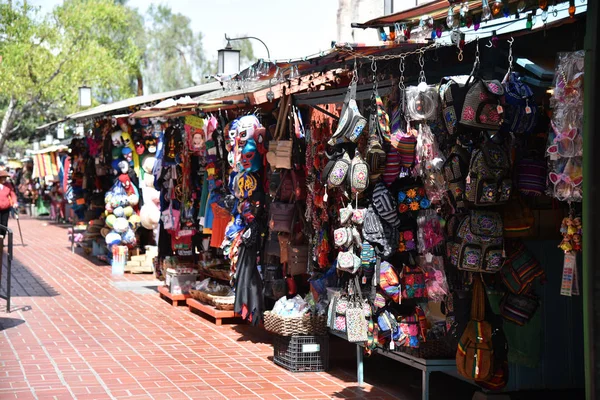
424 204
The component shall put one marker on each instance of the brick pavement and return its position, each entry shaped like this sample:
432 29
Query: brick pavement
73 334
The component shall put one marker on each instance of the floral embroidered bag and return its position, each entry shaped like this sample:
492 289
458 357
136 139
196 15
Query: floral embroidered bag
479 244
482 109
489 181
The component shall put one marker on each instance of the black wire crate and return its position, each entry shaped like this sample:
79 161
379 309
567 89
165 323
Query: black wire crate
301 353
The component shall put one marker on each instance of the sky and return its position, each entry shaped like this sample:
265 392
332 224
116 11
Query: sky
289 28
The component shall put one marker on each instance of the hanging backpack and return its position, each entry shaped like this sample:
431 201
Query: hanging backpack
475 352
372 231
489 181
376 156
452 93
386 205
455 171
482 109
520 110
478 244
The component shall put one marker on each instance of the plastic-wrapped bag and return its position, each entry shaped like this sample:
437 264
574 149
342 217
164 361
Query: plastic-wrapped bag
430 162
435 277
430 231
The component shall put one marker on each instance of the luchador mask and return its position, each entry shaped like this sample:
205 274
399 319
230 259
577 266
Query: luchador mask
150 143
251 159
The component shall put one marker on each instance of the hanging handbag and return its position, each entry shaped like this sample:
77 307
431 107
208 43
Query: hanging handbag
284 241
272 247
298 253
359 174
356 322
299 184
281 216
351 123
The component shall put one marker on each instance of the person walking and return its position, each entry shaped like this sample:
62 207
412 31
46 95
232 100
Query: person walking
8 200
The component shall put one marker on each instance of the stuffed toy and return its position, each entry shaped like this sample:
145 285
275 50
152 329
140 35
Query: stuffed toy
150 211
128 142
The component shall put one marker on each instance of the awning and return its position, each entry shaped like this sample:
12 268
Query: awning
142 100
49 125
50 149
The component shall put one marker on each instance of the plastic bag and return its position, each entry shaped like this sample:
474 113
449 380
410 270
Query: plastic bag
435 277
430 233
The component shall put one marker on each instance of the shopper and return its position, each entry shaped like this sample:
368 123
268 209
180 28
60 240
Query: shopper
8 200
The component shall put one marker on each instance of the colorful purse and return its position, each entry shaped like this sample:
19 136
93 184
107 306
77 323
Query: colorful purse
388 281
413 283
358 216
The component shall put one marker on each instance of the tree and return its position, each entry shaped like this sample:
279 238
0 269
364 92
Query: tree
44 60
174 58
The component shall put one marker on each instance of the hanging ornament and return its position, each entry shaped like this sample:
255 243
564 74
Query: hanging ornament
439 31
529 24
486 13
464 9
407 33
495 39
517 15
469 22
571 8
544 16
521 6
450 17
456 23
433 34
382 34
476 22
497 6
506 12
463 22
543 4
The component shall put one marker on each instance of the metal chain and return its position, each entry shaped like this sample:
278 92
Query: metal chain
422 65
510 53
386 57
401 67
374 69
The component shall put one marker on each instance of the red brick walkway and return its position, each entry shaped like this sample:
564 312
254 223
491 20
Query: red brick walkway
76 332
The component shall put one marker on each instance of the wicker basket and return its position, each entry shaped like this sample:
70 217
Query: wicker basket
202 297
217 273
305 325
223 302
439 349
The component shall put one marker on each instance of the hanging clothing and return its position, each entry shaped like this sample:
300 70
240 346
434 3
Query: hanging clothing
220 221
249 300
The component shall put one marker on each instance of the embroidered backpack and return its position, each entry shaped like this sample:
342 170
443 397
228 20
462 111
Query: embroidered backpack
482 109
489 181
520 110
452 93
478 243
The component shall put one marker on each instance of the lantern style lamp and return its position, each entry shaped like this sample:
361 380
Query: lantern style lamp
228 60
85 96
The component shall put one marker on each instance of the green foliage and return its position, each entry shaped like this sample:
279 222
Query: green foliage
174 57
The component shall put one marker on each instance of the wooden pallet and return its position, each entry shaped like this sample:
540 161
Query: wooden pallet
176 299
218 315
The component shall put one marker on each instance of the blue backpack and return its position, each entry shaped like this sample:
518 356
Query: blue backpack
520 110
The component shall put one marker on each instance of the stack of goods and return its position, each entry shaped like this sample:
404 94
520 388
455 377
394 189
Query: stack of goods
142 262
565 154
